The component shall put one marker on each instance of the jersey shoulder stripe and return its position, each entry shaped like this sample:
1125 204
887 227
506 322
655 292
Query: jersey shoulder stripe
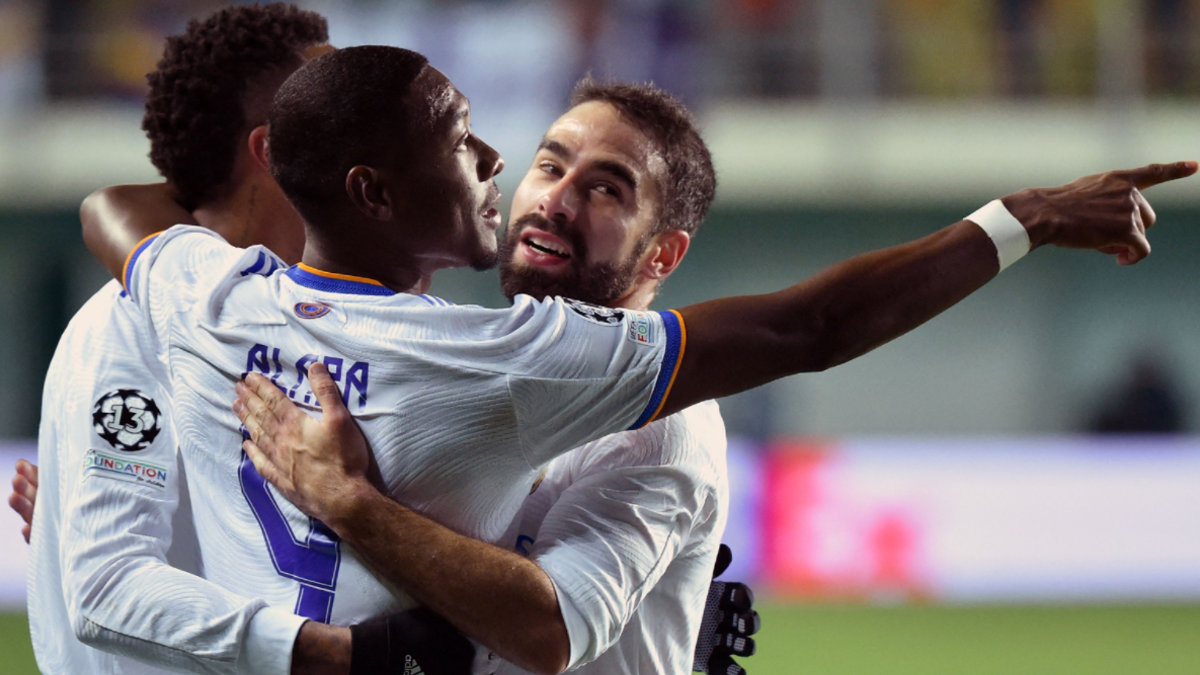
265 265
676 334
131 259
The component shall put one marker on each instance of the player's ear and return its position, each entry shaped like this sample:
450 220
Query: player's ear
257 145
665 253
368 193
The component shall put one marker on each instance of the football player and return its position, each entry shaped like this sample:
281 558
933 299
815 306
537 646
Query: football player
132 420
625 528
463 405
110 487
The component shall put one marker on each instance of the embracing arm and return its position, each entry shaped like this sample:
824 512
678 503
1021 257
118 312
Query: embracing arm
611 535
496 597
116 218
493 596
319 649
735 344
124 598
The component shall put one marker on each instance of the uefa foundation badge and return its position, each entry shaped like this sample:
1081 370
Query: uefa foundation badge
641 328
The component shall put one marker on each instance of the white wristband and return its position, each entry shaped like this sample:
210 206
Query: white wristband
1007 233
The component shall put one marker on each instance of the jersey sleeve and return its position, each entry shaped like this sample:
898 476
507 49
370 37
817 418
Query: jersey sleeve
576 372
182 254
122 595
607 541
171 271
124 598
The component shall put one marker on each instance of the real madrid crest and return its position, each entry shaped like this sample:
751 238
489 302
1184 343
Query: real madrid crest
311 309
128 419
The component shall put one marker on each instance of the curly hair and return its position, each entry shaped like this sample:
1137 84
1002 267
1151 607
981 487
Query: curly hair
196 111
691 182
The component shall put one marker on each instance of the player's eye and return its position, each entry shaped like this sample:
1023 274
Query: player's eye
550 168
465 139
607 189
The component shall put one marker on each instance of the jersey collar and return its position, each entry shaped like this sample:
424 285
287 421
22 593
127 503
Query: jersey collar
330 282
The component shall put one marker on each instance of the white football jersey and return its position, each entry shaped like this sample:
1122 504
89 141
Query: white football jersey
463 406
112 543
627 528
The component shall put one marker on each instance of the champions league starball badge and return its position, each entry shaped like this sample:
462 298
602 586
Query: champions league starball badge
128 419
605 316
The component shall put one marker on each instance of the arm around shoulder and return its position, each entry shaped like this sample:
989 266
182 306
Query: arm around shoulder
116 218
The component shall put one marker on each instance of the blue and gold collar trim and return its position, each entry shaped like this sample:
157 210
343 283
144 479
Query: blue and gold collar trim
330 282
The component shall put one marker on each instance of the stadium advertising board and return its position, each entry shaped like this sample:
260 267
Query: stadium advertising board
14 554
964 520
946 520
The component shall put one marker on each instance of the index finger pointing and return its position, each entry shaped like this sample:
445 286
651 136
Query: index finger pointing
1153 174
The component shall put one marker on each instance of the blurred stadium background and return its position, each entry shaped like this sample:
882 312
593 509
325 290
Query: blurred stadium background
1013 488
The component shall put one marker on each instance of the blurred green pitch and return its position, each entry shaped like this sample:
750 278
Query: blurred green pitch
924 640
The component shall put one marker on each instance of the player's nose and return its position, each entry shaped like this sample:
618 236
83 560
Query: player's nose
490 162
559 202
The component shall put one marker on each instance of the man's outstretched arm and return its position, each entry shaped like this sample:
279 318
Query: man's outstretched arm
735 344
494 596
116 218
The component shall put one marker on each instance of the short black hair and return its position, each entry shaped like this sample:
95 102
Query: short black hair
336 113
691 182
196 111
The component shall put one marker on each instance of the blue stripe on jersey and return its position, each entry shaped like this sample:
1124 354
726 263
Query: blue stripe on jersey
335 285
672 357
435 300
134 255
258 264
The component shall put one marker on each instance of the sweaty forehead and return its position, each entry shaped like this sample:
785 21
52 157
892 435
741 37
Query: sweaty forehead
432 102
599 129
446 103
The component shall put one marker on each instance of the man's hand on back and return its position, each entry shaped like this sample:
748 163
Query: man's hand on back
319 465
1105 212
24 494
498 598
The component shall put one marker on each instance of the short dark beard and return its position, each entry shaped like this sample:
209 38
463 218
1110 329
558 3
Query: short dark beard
598 283
484 261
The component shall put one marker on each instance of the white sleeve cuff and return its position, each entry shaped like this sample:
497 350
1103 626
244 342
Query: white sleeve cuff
577 628
270 638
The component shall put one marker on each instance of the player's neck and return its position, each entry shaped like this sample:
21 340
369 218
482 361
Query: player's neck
252 213
236 211
224 221
639 297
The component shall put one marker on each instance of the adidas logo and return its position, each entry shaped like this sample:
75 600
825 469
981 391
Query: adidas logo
411 667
